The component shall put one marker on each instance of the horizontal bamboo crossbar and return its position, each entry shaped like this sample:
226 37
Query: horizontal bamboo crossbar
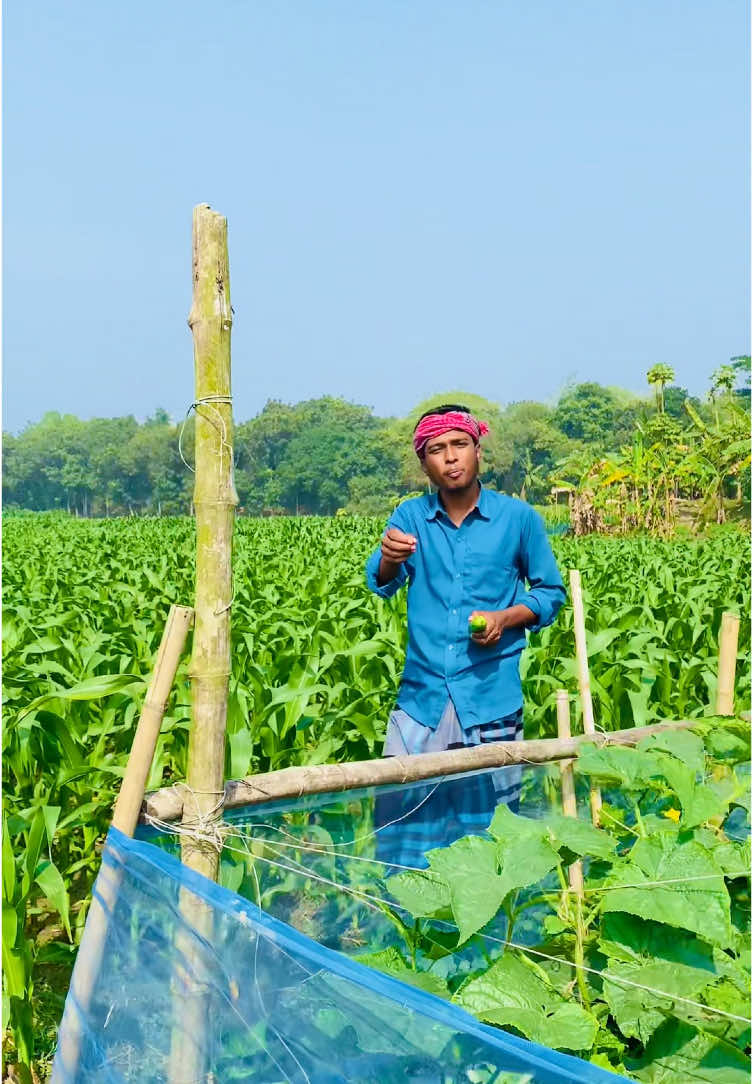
167 804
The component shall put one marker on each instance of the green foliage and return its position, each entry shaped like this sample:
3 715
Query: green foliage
316 664
665 992
630 459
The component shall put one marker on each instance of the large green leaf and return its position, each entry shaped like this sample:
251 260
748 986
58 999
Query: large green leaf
686 746
392 963
525 851
638 1004
14 962
580 837
679 1052
679 884
422 894
470 870
512 994
615 764
53 886
91 689
629 939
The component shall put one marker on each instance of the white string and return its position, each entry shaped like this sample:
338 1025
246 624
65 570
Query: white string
605 977
206 828
367 835
315 848
207 400
323 849
523 948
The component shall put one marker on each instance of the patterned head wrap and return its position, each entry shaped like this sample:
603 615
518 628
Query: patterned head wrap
433 425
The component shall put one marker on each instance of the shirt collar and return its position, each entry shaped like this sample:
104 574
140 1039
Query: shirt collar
482 505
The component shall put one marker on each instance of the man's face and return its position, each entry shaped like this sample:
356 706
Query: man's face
451 460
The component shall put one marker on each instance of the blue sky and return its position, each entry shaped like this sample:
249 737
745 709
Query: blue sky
421 195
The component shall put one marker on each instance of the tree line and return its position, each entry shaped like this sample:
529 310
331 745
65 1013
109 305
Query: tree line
326 455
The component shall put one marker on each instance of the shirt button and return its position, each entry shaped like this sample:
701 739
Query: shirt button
450 647
454 611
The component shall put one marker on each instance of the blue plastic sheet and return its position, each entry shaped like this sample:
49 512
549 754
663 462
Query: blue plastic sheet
276 1005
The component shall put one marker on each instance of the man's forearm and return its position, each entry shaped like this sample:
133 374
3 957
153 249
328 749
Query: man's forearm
517 616
387 571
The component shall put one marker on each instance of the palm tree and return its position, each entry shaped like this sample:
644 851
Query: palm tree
660 375
722 380
533 476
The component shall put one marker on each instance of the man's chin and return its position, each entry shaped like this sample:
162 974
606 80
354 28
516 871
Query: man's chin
458 485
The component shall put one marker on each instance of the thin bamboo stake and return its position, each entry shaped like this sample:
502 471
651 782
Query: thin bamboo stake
125 818
166 805
126 814
584 678
567 777
725 689
214 501
575 871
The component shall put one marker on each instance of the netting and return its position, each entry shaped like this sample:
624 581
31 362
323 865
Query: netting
294 968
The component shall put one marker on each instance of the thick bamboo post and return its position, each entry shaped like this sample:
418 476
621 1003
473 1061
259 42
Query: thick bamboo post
725 688
125 818
567 777
584 678
214 501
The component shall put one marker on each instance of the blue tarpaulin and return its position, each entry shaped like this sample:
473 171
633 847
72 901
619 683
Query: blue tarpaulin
276 989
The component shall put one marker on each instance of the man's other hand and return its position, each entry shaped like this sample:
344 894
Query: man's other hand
495 623
499 620
397 546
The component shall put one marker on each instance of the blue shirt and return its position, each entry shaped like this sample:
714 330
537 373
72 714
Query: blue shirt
481 565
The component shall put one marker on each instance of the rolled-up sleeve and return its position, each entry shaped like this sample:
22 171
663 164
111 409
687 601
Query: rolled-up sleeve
387 590
546 592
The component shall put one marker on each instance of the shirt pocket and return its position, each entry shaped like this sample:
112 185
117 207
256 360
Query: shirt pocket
492 581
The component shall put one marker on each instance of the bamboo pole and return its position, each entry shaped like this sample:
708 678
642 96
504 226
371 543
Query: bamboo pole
166 805
584 678
125 818
569 805
128 804
725 689
572 906
214 499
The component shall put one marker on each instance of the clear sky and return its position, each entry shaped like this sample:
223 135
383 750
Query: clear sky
500 195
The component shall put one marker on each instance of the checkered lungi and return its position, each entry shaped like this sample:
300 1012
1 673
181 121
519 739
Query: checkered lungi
418 817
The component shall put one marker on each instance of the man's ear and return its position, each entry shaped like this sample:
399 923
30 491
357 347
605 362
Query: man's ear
423 466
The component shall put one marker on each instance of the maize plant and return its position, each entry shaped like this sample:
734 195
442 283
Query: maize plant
316 667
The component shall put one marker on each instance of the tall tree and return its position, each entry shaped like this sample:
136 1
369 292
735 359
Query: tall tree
587 412
660 375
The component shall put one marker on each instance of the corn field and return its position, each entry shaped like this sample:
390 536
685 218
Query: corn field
316 665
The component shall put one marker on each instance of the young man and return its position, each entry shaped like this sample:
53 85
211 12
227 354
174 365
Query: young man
463 551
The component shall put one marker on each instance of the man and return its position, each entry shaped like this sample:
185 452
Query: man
464 552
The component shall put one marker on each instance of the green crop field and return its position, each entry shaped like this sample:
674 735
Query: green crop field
316 662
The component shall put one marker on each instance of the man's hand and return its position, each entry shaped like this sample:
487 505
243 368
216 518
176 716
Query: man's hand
495 623
499 620
397 547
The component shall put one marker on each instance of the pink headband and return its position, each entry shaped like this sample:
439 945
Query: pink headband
436 424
